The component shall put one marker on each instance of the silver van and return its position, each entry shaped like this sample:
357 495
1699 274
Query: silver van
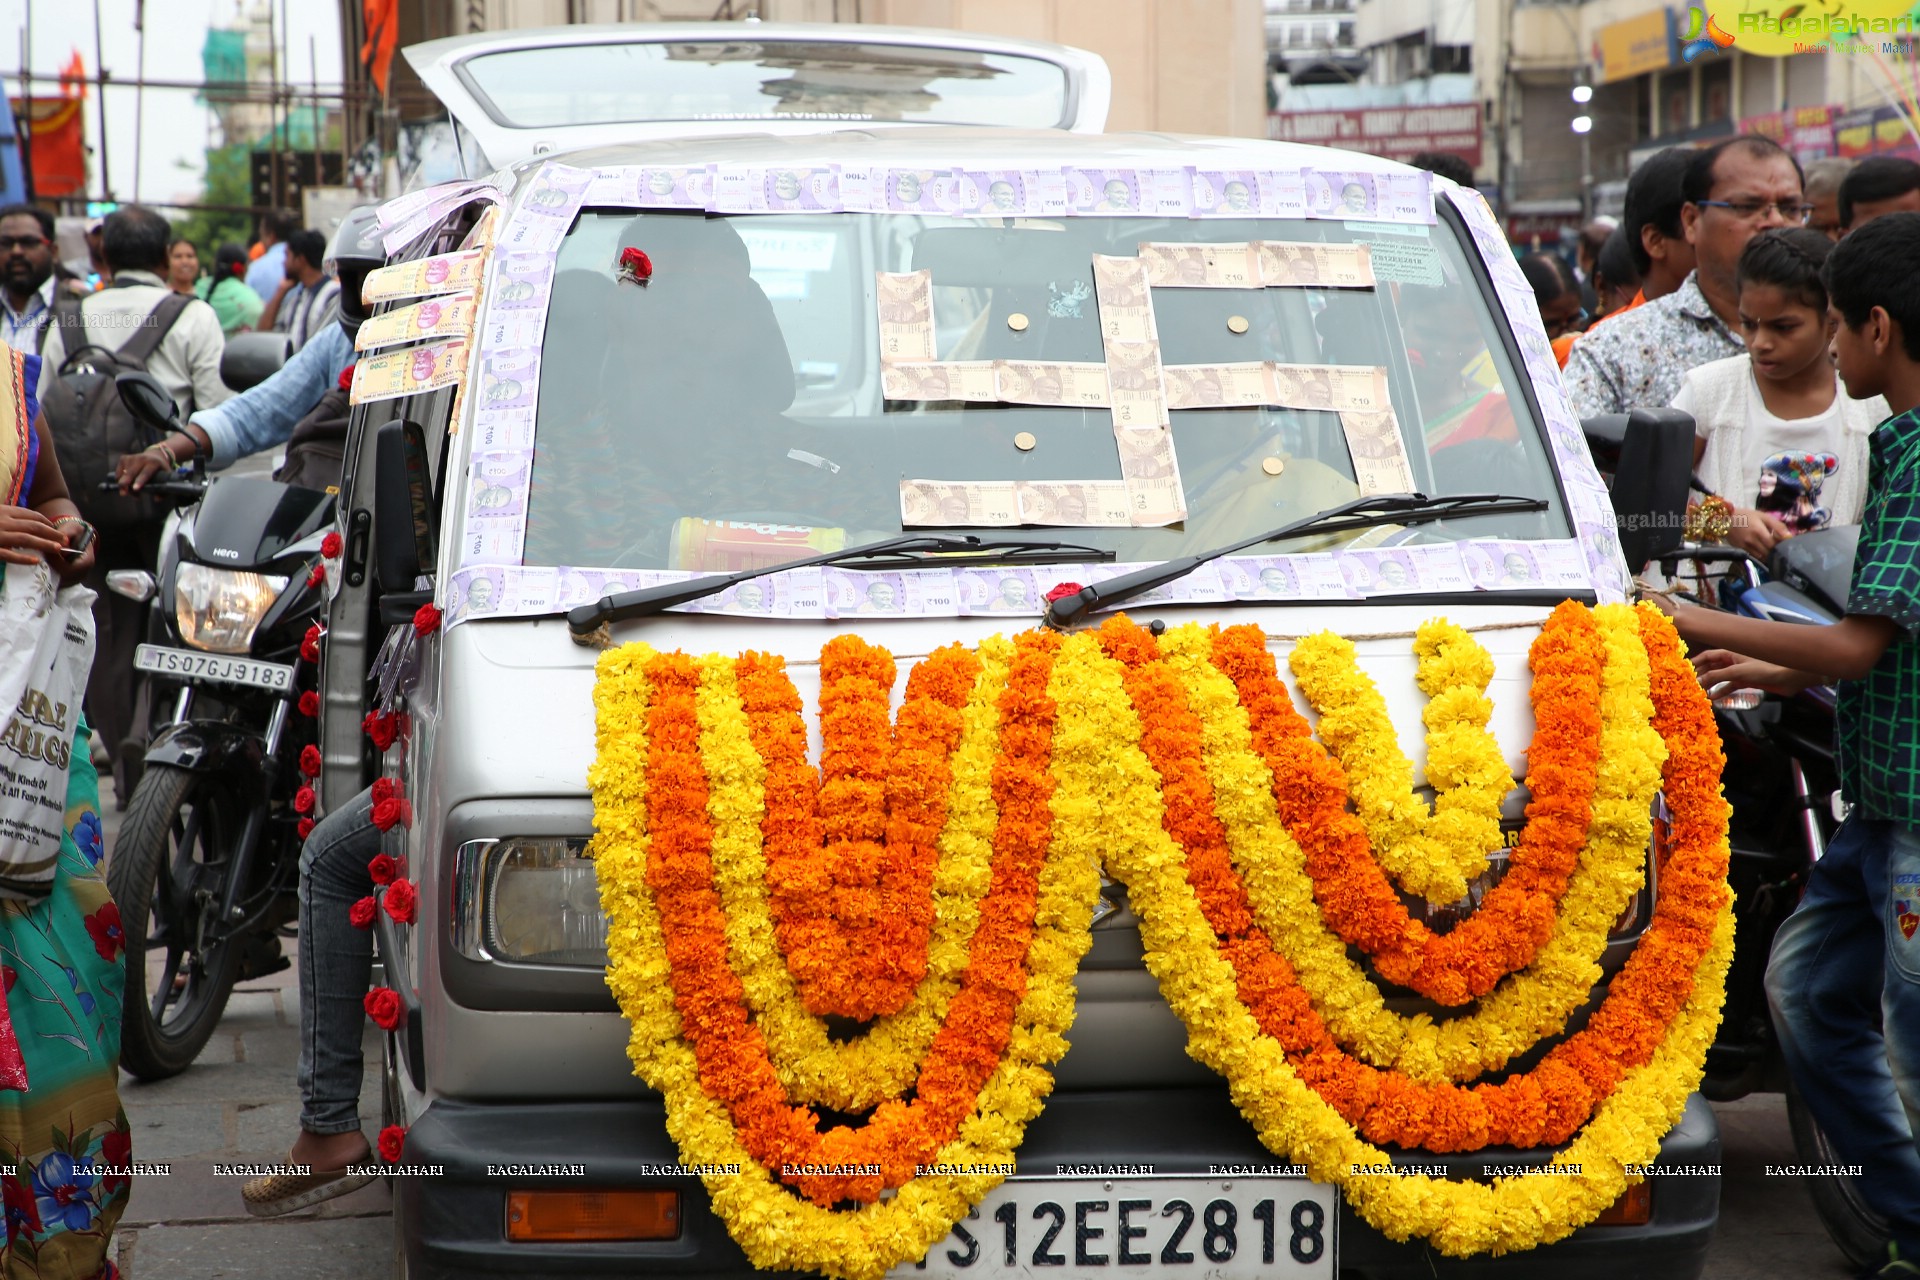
893 339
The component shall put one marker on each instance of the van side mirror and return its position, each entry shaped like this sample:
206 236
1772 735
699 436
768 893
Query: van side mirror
1649 454
148 402
404 544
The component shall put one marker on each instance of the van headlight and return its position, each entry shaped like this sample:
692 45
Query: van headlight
220 609
529 900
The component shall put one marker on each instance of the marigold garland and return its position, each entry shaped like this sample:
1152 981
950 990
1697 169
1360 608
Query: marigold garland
1179 764
1431 854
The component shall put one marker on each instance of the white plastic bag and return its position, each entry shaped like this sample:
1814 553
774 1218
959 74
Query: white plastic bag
46 650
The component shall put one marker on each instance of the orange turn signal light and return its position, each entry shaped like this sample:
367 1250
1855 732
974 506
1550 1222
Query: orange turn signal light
593 1215
1634 1208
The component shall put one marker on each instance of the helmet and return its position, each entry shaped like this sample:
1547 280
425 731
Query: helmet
354 251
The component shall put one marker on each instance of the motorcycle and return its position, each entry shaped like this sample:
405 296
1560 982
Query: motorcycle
1783 785
206 865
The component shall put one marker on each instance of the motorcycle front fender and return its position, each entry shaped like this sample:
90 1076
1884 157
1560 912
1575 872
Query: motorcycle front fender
208 746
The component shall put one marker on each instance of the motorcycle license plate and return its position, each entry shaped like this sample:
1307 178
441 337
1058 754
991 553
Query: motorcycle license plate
185 664
1199 1226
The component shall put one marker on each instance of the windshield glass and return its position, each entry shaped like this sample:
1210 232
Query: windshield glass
752 80
739 396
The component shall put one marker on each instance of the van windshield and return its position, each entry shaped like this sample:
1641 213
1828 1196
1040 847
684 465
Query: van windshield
773 377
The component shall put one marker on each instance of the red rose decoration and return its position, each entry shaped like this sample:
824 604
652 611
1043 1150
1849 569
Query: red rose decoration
360 914
426 620
304 800
383 1006
383 729
383 789
310 704
310 761
331 546
310 644
402 901
636 266
103 926
406 813
383 868
393 1141
316 575
1064 590
385 814
303 828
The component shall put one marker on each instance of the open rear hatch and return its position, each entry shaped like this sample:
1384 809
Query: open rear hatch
521 94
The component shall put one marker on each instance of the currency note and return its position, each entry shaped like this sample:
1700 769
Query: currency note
1201 266
1203 583
1346 388
1007 193
1152 475
1362 196
940 380
1379 453
400 208
476 593
543 216
433 318
521 282
919 191
1285 264
1440 568
762 189
916 593
424 277
1218 386
1051 383
958 505
1226 193
905 302
509 379
1561 564
1001 591
1111 192
1496 566
392 374
1074 503
1406 197
672 187
1126 305
485 229
498 486
504 330
1165 193
799 593
1137 390
1380 573
1301 577
614 186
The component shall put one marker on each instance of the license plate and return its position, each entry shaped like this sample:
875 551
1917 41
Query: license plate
185 664
1200 1226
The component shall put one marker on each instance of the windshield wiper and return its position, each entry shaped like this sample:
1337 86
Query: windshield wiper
1361 513
945 549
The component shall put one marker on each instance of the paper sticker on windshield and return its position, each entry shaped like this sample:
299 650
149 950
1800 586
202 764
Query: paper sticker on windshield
1362 195
434 318
905 302
984 504
424 277
1218 386
1302 577
1088 504
1201 266
1404 261
1379 454
1345 388
761 189
940 380
392 374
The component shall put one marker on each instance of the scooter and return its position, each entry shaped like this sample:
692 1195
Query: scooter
206 864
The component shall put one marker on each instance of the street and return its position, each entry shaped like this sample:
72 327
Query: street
238 1104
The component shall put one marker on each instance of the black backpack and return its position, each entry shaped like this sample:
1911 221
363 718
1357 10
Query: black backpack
317 449
91 429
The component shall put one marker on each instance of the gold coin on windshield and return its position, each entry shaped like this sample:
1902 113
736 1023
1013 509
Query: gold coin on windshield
1236 324
1025 441
1274 466
1017 322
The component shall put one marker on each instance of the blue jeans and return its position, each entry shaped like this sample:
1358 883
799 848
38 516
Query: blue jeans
1845 965
336 962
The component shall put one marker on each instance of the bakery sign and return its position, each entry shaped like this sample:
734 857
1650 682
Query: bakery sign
1396 133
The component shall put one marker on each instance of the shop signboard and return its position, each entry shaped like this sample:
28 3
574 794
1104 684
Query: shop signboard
1397 133
1808 132
1636 46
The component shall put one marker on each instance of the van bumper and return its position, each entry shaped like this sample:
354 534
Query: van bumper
454 1224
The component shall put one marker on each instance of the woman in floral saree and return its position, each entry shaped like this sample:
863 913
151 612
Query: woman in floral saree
64 1141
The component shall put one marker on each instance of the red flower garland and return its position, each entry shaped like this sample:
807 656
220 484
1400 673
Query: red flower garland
309 704
393 1142
316 575
383 1006
331 546
310 761
402 901
386 813
426 620
381 727
304 800
303 828
383 868
310 643
360 914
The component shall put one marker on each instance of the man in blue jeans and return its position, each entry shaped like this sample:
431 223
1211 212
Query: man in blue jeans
1844 978
336 962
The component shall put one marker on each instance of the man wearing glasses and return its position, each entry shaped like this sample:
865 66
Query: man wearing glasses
1732 192
26 276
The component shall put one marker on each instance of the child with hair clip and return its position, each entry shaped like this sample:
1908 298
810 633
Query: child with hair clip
1779 448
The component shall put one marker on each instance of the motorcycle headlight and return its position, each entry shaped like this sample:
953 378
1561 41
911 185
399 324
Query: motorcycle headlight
530 901
219 609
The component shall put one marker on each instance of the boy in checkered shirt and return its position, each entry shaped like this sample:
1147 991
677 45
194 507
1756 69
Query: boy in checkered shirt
1854 943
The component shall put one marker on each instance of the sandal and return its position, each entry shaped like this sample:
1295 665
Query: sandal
278 1194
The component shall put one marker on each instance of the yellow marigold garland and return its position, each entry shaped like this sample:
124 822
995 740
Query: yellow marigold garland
858 1073
1433 854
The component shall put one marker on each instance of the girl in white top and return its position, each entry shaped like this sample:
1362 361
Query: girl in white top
1774 434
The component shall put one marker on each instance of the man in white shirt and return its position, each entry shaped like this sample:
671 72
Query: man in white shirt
270 268
26 276
308 300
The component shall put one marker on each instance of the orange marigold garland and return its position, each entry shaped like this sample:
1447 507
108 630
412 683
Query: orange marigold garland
1516 917
733 1063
